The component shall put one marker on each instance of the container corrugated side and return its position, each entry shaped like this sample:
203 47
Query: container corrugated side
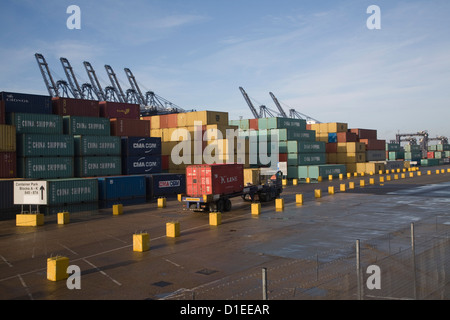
141 165
75 107
306 146
120 188
88 126
97 166
130 128
45 145
110 109
26 103
97 146
165 184
8 165
310 158
69 191
326 170
36 123
7 138
45 167
136 146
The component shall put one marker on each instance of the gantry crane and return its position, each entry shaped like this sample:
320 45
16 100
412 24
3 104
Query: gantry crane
277 103
264 112
292 112
97 88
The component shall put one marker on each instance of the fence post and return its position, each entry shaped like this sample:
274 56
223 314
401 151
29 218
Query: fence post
264 283
413 253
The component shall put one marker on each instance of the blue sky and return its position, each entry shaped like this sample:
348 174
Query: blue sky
317 57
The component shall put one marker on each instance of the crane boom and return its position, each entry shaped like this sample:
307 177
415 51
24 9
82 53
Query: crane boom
277 103
48 79
115 84
94 81
72 80
134 86
250 104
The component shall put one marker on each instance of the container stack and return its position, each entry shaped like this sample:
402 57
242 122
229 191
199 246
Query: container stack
438 151
413 152
126 190
141 155
8 165
96 152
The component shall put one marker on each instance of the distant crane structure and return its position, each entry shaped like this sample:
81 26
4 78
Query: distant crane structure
266 112
150 103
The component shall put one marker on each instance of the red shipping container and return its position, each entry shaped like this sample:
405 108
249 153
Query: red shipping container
130 128
346 137
116 110
308 126
372 144
365 133
331 147
253 124
214 179
282 157
75 107
8 165
168 121
2 112
430 155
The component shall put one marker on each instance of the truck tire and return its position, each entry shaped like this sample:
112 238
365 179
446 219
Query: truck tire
227 205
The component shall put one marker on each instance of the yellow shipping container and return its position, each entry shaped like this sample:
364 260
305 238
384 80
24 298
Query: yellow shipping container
315 127
156 133
252 176
356 157
323 127
206 118
332 158
351 167
155 122
7 138
322 137
351 147
374 167
337 127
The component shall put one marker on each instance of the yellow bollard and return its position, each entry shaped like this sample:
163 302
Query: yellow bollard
342 187
419 173
349 175
355 174
256 208
295 182
437 171
180 197
411 174
372 181
284 182
330 190
429 172
371 173
141 242
117 209
63 217
215 218
29 219
330 177
57 268
448 170
341 176
381 179
403 176
162 202
319 179
173 229
318 193
308 180
362 183
279 204
395 176
363 174
380 172
387 171
299 198
351 185
388 178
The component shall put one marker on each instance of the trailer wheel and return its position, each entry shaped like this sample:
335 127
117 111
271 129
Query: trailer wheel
227 205
220 205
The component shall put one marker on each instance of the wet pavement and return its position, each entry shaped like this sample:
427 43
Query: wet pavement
101 244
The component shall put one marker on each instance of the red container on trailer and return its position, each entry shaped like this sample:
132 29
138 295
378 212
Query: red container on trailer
8 165
75 107
130 128
214 179
113 110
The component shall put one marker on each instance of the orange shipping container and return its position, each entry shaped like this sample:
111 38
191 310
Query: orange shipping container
168 121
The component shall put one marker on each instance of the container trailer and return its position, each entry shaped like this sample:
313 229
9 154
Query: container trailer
210 187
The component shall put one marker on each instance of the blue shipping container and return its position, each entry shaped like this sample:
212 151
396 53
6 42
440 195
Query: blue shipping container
141 165
117 188
139 146
165 184
26 103
332 137
105 204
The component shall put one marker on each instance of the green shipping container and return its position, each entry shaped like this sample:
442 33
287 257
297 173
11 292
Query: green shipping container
311 158
292 172
413 156
412 148
97 166
285 123
70 191
326 170
302 172
45 145
36 123
97 146
88 126
392 147
306 146
45 167
294 134
429 162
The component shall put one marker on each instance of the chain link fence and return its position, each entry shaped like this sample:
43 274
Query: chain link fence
411 263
